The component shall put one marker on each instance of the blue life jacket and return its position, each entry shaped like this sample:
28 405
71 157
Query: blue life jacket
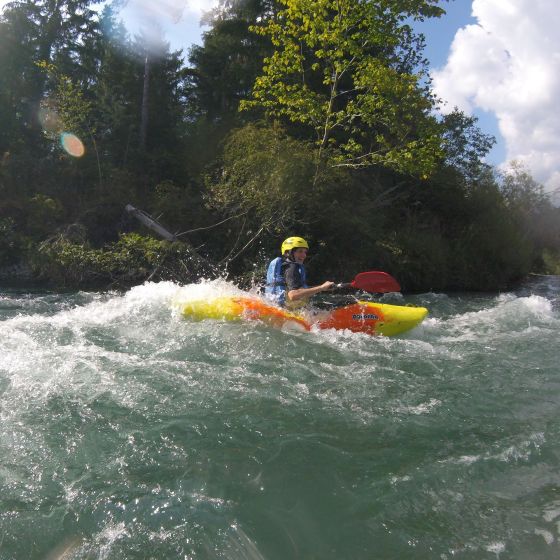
275 289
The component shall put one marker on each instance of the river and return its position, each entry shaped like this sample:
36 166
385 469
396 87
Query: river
127 431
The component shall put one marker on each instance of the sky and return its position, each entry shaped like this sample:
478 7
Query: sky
498 60
440 34
503 65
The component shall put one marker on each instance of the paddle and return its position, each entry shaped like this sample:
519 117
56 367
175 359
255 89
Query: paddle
374 282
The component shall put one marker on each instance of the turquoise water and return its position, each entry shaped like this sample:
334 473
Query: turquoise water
129 432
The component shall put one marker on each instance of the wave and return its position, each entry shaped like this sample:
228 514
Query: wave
147 434
505 314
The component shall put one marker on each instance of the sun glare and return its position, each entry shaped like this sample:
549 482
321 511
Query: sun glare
72 145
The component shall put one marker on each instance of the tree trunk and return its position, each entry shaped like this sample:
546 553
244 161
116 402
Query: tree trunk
145 110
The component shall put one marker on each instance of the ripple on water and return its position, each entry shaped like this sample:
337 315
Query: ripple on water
132 433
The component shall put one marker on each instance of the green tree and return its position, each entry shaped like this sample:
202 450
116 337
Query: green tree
113 89
164 109
521 191
223 69
535 216
337 69
41 30
465 145
67 112
264 172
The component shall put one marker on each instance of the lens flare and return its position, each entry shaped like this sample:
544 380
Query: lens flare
72 145
48 117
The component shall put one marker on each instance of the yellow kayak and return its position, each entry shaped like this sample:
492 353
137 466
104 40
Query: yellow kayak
362 316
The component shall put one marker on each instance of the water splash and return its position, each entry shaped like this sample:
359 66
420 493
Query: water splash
149 435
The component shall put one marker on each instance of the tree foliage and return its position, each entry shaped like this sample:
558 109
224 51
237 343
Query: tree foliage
341 143
537 220
129 260
262 171
224 68
465 145
336 69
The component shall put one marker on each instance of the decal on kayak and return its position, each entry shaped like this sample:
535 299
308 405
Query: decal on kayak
365 317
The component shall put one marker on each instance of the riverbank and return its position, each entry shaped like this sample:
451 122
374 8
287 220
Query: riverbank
61 264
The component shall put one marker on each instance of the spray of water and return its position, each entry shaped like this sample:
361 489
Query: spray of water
131 431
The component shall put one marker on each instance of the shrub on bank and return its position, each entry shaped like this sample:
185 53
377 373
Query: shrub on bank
10 242
130 260
551 262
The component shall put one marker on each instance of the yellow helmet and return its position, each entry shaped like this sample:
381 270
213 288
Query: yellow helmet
293 243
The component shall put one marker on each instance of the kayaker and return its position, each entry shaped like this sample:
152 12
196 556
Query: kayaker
286 279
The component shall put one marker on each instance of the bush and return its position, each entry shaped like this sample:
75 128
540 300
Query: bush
421 264
263 171
44 214
10 242
551 262
130 260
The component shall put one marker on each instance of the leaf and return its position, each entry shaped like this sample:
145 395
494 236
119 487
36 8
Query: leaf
363 103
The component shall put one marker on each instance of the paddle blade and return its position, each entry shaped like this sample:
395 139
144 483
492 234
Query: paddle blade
375 282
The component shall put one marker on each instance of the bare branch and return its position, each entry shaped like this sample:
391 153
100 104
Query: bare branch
212 226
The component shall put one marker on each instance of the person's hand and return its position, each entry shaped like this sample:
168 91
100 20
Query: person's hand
325 286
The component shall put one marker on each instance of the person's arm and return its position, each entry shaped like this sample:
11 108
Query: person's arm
294 284
301 293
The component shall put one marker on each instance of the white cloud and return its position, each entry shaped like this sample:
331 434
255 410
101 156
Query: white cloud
509 64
